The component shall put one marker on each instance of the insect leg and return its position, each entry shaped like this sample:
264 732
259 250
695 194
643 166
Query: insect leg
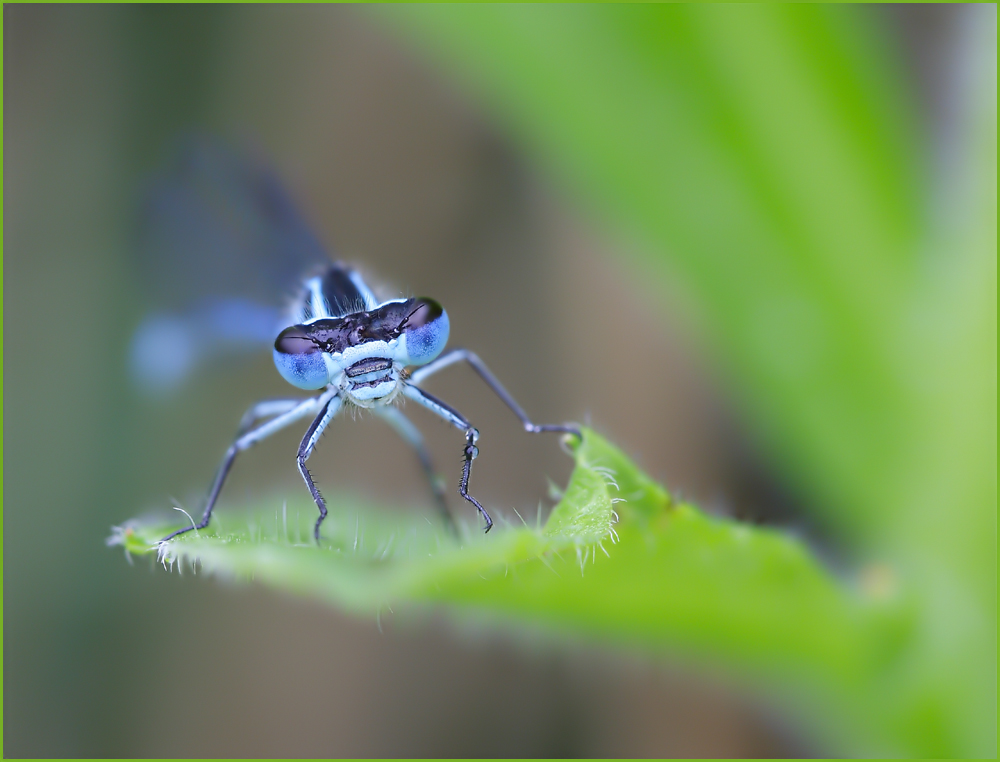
458 355
412 436
327 411
265 409
461 423
246 440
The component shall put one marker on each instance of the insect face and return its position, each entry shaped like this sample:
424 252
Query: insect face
364 351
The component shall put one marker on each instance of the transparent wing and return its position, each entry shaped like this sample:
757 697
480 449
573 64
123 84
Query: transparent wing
222 251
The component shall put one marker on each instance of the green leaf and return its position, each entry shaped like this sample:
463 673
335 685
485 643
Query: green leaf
767 160
762 153
764 157
617 561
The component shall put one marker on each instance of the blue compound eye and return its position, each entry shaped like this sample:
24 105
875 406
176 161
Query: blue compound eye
299 358
426 330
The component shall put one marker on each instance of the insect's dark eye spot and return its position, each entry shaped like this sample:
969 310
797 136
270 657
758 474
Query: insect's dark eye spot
296 340
359 334
422 312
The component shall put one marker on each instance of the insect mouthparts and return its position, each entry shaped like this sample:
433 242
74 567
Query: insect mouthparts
368 365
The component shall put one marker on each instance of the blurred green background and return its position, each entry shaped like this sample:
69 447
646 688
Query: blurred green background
756 247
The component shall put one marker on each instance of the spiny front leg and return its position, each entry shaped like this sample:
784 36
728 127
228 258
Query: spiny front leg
470 453
306 448
461 423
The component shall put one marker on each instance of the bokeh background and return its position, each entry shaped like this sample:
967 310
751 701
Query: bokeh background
404 161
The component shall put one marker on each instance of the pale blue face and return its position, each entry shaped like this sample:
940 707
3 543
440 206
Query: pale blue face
370 347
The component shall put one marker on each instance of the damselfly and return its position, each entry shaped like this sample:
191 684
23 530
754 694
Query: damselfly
338 338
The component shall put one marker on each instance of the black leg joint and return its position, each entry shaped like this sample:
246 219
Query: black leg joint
470 453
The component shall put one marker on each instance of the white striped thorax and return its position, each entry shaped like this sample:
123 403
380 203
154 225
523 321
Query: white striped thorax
345 338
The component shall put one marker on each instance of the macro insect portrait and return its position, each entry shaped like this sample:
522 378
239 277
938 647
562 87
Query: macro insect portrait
336 337
491 380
